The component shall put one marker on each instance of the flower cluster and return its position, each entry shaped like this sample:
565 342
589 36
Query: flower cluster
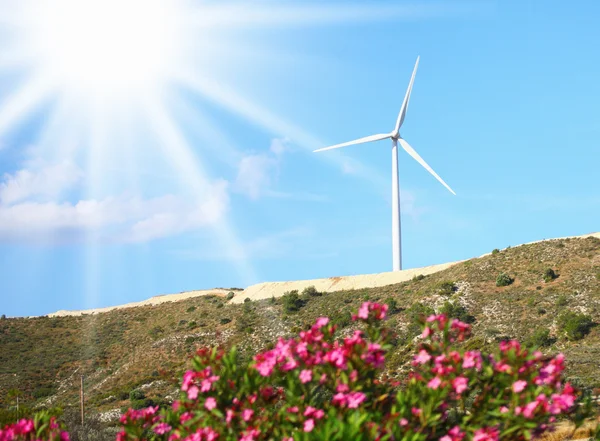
318 387
41 427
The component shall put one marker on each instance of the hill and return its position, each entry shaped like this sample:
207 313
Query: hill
551 298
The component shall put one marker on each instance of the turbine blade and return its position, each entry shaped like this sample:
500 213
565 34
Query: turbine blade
356 141
404 107
406 146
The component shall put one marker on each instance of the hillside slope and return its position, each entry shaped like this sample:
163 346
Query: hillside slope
147 346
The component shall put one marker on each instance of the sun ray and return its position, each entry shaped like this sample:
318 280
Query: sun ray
228 98
18 106
194 177
204 127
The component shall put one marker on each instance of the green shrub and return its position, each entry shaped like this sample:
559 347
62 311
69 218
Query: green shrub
541 311
247 299
467 403
141 404
225 320
418 278
549 275
445 288
342 319
392 305
495 251
191 309
192 325
292 301
311 291
137 394
457 311
230 295
562 300
42 392
220 305
415 315
503 279
540 338
575 325
156 331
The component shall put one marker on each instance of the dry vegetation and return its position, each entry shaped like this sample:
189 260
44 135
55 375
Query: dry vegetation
146 348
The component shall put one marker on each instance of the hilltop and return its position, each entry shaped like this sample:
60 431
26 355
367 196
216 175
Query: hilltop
145 347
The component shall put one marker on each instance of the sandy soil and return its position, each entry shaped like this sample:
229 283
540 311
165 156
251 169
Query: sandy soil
156 300
269 289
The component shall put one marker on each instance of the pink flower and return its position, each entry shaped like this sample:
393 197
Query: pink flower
518 386
355 399
434 383
339 399
529 409
342 388
188 378
422 357
403 422
426 332
64 436
309 425
486 434
309 411
460 384
205 385
456 434
192 392
363 311
185 417
305 376
229 416
210 434
445 438
503 409
249 435
472 359
210 403
247 414
321 321
162 428
292 409
337 358
416 411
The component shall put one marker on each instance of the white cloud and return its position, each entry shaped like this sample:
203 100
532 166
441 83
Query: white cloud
39 180
30 211
255 175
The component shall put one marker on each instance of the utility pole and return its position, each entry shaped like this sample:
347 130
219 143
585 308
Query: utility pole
81 399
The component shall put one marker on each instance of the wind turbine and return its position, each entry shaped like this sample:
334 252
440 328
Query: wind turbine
394 135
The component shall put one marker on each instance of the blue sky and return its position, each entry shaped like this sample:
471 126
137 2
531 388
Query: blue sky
207 178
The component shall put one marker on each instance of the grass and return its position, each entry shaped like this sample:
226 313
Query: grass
122 350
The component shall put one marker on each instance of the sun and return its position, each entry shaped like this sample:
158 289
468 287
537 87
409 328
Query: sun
105 47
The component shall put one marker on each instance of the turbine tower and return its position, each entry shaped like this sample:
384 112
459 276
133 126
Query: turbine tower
394 135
